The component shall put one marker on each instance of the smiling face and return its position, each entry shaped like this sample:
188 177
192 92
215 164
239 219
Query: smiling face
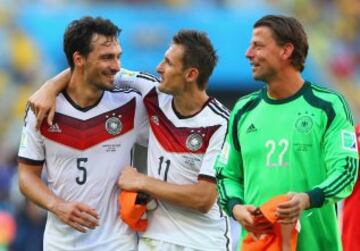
171 70
264 54
103 62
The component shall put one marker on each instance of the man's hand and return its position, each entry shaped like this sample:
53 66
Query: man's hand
77 215
42 103
131 180
245 215
289 212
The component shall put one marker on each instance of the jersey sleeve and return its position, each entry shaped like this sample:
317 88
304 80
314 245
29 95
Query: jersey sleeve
31 149
139 81
207 170
143 126
341 158
229 168
143 83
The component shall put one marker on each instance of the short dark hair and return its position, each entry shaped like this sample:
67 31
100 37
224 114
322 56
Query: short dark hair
79 33
288 30
199 53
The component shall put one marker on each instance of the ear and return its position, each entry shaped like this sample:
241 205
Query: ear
287 51
78 59
191 74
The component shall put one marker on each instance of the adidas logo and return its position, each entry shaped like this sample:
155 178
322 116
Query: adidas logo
54 128
251 128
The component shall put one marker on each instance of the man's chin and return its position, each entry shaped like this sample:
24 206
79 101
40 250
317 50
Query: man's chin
259 78
161 88
107 87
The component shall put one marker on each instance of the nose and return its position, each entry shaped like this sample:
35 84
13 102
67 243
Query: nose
115 66
249 53
159 67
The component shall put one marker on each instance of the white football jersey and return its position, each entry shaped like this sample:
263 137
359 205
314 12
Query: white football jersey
83 153
182 150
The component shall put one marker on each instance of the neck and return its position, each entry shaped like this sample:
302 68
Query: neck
189 103
285 85
81 92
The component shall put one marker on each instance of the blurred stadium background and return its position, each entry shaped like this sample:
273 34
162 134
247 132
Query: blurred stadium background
31 52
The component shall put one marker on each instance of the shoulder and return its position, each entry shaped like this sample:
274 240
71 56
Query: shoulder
122 96
29 117
140 81
329 100
326 93
126 75
148 77
218 110
124 90
247 101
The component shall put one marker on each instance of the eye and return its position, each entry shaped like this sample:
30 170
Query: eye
167 61
107 56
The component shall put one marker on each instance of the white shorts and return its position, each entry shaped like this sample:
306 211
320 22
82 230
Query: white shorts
146 244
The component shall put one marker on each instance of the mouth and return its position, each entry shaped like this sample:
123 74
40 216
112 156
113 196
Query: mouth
111 77
255 66
161 79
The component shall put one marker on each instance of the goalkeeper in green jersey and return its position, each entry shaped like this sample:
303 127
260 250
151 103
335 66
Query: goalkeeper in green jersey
292 137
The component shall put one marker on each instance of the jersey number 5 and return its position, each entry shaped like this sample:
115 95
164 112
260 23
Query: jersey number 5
80 165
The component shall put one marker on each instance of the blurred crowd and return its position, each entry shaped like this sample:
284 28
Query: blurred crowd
333 27
334 34
21 223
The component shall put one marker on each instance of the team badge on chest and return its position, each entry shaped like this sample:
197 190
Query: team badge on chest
304 123
194 142
113 125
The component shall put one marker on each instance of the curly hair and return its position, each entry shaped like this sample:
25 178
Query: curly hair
79 33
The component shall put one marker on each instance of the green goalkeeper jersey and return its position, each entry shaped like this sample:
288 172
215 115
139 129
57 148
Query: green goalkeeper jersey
304 143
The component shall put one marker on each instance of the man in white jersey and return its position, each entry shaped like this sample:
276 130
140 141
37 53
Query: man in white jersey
187 129
86 147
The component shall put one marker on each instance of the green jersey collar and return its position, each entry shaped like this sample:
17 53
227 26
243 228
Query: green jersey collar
269 100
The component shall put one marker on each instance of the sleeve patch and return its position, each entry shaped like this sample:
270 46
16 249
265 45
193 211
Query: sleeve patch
127 73
348 139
